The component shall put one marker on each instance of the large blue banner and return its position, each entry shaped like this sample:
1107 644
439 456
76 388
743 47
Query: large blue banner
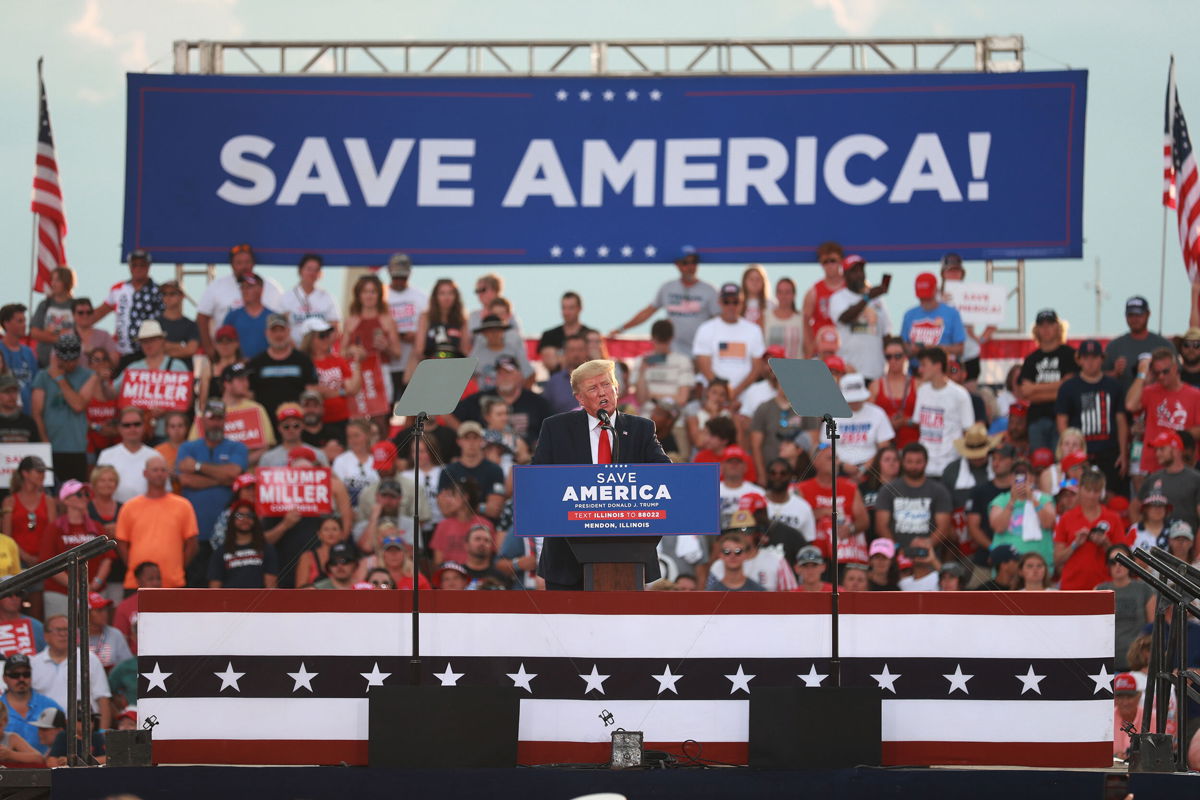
617 500
606 170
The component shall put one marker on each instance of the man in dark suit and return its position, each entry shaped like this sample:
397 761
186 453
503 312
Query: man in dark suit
576 437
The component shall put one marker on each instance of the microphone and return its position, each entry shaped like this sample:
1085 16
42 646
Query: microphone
605 420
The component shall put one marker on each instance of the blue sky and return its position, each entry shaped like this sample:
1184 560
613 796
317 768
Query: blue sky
89 45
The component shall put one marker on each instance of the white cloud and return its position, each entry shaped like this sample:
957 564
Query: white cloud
136 39
853 16
88 27
93 97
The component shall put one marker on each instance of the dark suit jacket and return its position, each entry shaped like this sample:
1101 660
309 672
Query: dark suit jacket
565 440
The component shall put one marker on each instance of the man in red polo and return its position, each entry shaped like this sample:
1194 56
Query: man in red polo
1084 534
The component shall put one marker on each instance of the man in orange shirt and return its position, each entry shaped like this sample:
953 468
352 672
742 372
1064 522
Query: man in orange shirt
157 526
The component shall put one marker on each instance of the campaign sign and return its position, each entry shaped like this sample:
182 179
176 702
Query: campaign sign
12 453
605 169
616 500
245 426
284 489
371 400
156 389
979 304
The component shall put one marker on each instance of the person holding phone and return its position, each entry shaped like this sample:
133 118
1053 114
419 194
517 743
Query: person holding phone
1084 534
861 317
1023 517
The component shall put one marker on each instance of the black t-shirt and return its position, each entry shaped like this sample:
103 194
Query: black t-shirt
181 331
486 473
1043 367
1093 408
18 429
319 439
556 336
1190 378
525 415
276 381
244 568
981 497
489 572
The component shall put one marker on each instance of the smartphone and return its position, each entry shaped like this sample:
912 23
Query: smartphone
887 281
1019 479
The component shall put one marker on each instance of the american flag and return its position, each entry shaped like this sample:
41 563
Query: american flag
47 204
282 677
1181 188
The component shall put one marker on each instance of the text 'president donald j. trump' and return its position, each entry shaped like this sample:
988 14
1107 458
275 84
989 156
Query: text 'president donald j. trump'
579 437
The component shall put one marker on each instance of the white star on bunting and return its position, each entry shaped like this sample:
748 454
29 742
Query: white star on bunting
627 251
813 679
561 95
886 680
375 677
958 680
157 678
1030 680
602 251
655 95
666 681
740 680
595 681
229 678
302 678
580 251
449 677
521 678
585 95
555 251
631 95
1102 679
650 250
609 94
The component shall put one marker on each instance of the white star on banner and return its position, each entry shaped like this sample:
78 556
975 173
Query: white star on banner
609 94
650 250
1103 680
631 94
666 680
555 251
521 678
229 678
813 679
740 680
157 678
375 677
562 95
594 681
886 680
602 251
655 95
1030 680
302 678
958 680
580 251
449 677
585 95
627 251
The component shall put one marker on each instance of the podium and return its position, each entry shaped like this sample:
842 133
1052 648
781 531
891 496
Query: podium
613 515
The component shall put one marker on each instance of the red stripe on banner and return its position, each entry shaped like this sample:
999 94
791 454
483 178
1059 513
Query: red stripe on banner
355 752
1006 603
278 601
50 187
1015 754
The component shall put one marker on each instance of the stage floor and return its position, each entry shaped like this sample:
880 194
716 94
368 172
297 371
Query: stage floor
543 783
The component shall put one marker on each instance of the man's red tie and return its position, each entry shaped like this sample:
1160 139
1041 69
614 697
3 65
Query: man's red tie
604 451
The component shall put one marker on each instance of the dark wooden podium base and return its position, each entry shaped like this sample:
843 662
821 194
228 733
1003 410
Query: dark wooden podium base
601 577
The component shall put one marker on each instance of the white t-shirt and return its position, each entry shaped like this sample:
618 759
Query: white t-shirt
796 513
300 307
223 295
927 584
406 307
942 414
862 342
768 568
732 346
731 496
665 373
755 395
861 435
130 467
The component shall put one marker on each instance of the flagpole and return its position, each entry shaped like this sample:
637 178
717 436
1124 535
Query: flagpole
1162 275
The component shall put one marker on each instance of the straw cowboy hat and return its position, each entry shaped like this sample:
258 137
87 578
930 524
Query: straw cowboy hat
976 443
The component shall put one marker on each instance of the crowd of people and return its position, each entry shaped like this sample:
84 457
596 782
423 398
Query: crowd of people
940 483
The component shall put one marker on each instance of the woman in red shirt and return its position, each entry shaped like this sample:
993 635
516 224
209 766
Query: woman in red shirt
338 379
26 514
896 392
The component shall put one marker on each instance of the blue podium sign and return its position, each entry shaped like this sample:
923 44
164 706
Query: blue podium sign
616 500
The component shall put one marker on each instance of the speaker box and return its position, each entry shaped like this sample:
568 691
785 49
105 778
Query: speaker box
435 727
1151 752
127 748
803 728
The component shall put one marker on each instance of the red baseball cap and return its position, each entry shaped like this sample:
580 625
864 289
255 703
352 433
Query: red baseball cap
383 455
851 260
302 451
732 452
97 600
1167 438
775 351
1125 683
926 285
244 480
1072 460
836 364
1018 410
226 332
1041 458
288 411
751 502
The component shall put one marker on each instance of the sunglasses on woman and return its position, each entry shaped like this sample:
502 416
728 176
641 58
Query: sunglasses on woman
737 551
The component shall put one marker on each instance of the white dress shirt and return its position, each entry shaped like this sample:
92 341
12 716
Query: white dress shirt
594 432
